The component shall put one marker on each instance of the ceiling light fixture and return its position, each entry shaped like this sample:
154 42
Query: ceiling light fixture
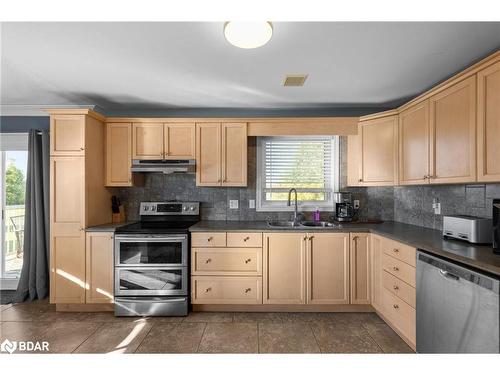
248 34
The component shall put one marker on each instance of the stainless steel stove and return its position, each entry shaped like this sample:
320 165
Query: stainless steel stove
151 260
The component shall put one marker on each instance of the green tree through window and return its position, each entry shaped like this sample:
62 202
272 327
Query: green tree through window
15 186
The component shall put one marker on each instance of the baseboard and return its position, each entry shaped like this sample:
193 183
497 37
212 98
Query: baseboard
85 307
283 308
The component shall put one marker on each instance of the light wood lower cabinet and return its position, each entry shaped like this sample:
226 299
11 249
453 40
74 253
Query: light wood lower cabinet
328 268
226 290
360 268
226 261
99 267
284 277
376 251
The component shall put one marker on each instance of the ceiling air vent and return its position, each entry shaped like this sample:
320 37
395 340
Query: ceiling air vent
295 80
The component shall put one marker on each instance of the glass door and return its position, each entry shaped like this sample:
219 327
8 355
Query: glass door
13 165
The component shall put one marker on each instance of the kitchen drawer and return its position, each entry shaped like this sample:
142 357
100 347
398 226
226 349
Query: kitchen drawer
226 261
240 239
226 290
399 288
400 251
208 239
399 269
400 314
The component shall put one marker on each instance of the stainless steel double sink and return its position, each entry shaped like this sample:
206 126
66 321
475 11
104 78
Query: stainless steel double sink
302 224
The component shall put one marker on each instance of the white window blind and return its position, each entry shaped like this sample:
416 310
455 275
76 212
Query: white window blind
308 164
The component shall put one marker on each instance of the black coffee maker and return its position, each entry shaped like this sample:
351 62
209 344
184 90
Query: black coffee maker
496 226
344 210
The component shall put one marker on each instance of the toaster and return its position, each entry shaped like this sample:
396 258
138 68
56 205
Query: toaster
468 228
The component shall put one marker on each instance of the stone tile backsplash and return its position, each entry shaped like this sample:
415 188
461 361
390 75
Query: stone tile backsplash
407 204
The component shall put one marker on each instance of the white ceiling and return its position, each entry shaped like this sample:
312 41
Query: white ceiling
120 66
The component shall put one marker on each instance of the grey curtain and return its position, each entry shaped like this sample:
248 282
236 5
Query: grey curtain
34 280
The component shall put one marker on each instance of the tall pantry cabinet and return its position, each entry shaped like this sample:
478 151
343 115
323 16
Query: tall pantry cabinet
76 173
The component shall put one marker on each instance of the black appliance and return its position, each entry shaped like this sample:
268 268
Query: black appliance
344 210
496 226
151 260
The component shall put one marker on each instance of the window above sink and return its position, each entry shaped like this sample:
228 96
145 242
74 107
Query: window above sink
309 164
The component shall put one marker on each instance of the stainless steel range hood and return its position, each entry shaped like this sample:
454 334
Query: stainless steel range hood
164 166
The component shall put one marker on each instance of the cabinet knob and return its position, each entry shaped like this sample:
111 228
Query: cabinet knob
208 289
246 239
395 306
395 268
395 250
395 287
248 290
360 180
248 260
310 238
209 239
208 260
81 148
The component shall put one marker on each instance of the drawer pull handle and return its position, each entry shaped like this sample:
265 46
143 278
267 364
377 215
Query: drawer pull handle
208 289
246 239
210 239
395 287
248 290
395 306
395 250
395 268
248 260
208 260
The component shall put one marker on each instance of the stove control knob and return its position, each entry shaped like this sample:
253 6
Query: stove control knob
184 208
191 208
146 208
153 208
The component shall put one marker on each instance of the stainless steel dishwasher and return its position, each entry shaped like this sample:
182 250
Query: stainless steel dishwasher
457 308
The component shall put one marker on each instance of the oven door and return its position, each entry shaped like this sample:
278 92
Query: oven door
151 281
151 250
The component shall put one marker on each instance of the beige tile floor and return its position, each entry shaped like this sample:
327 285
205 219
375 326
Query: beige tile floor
199 332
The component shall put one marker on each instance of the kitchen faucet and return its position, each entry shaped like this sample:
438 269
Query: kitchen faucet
295 214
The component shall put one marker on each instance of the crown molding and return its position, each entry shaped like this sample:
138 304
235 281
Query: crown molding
39 110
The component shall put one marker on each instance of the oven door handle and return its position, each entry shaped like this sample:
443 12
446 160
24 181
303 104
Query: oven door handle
121 299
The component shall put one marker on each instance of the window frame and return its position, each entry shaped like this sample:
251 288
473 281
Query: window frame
265 206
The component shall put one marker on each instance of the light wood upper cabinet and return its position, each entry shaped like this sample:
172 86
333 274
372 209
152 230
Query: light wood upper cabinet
179 141
378 157
67 222
353 160
414 141
453 133
234 154
118 154
147 140
221 154
67 136
488 124
360 268
327 268
376 251
208 154
99 267
284 271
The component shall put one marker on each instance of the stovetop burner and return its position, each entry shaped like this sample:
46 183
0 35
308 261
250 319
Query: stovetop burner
155 227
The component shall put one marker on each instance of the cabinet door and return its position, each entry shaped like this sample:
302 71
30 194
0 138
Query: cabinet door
208 154
147 140
67 236
453 133
234 154
414 145
118 154
67 135
378 151
353 160
360 268
99 267
376 271
328 268
488 124
284 268
180 141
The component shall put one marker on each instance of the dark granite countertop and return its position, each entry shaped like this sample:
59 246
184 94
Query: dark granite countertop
110 227
430 240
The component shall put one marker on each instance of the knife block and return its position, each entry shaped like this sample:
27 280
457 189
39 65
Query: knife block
119 217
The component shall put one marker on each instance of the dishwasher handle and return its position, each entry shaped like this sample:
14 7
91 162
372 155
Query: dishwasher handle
449 275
